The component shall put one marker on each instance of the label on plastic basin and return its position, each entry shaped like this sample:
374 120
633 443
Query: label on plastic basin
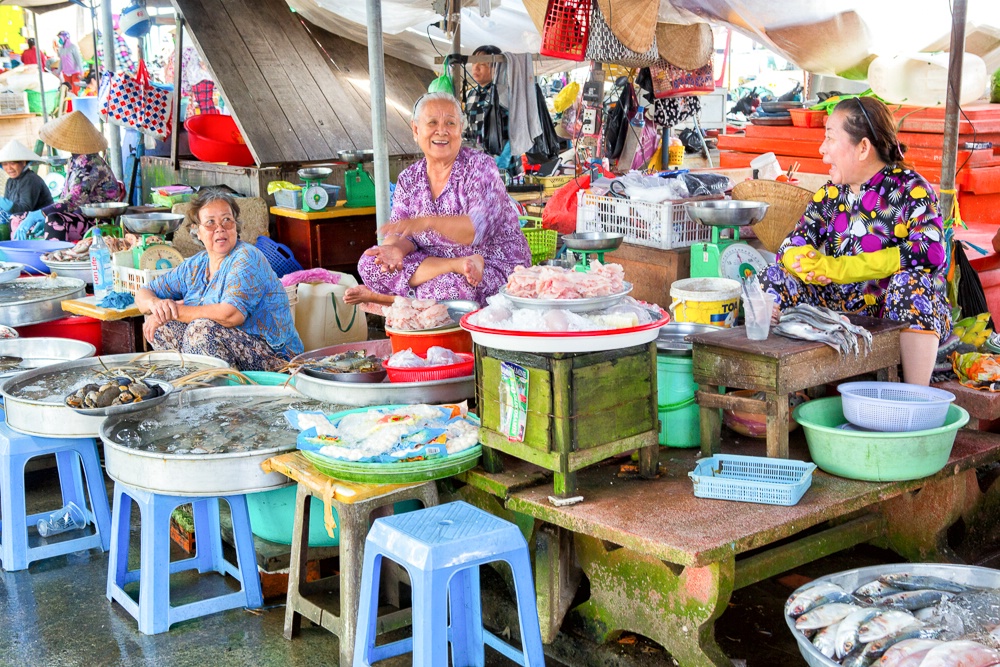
513 400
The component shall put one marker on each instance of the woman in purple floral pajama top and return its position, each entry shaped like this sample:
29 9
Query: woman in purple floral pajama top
453 231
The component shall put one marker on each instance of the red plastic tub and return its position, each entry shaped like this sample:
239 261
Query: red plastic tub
432 373
215 138
455 339
74 327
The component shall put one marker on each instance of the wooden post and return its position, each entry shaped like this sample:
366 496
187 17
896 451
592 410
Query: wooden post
175 117
949 152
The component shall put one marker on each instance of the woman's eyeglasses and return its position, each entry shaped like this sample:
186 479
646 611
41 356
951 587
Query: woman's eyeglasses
225 223
867 118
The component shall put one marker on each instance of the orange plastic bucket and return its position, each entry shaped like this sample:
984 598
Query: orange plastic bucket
455 339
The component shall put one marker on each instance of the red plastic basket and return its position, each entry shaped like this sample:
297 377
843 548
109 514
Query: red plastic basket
434 372
567 26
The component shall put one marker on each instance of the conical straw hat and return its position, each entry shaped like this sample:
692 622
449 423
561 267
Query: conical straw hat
15 151
73 133
633 22
788 203
685 46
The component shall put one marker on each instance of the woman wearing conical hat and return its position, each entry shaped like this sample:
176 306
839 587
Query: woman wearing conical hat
89 180
25 190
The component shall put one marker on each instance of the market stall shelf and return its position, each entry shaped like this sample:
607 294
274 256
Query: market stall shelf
778 366
582 408
670 578
354 503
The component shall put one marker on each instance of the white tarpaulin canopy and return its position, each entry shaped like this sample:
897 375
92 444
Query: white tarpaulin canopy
821 36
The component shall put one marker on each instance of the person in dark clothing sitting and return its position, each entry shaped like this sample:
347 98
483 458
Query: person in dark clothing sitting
25 190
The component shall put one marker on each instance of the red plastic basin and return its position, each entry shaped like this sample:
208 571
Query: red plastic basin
74 327
215 138
455 339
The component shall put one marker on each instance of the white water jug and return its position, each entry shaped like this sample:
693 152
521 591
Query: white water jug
921 79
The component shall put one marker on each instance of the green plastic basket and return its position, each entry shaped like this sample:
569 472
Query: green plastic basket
542 242
871 455
35 101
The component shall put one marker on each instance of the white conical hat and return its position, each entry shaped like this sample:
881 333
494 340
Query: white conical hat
15 151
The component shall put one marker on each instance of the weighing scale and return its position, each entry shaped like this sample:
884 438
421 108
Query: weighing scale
358 184
56 178
150 253
314 196
726 256
580 247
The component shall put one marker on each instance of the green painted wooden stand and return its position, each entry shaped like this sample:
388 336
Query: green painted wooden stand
582 409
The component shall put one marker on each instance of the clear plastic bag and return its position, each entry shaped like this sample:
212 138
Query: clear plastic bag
441 356
405 359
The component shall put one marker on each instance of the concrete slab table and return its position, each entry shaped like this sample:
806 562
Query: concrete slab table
778 366
663 564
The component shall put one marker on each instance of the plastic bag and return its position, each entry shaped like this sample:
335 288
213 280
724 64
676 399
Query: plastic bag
560 212
441 356
566 97
405 359
443 83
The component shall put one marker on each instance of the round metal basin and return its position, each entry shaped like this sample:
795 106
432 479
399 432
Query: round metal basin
727 213
314 173
592 241
35 300
379 393
196 474
111 209
152 223
39 352
672 339
52 418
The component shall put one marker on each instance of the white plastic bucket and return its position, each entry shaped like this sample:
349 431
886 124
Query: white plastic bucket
293 299
921 79
714 301
767 166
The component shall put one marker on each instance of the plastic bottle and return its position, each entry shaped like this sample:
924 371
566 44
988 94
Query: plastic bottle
100 265
639 119
70 517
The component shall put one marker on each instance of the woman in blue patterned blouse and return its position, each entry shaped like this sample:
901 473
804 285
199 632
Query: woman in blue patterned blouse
225 302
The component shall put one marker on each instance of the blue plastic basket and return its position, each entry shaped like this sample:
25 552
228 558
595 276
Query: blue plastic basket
278 255
752 479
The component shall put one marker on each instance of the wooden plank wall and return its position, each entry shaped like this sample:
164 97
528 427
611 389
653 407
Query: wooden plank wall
292 104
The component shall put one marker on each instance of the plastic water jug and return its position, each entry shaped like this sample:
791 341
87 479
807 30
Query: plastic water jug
100 265
921 79
323 319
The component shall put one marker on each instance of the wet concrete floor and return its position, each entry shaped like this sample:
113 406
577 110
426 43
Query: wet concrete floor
55 614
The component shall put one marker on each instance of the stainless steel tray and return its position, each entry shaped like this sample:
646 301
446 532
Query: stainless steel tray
672 339
39 352
850 580
22 312
195 474
572 305
381 393
55 419
592 241
135 406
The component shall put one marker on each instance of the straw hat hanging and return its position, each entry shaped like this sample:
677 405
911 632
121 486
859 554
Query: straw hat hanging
73 133
685 46
15 151
633 22
788 203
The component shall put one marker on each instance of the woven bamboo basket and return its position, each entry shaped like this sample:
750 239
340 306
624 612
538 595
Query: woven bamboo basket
788 203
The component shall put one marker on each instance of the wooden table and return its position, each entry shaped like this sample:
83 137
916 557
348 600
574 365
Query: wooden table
778 366
663 564
355 504
332 239
121 329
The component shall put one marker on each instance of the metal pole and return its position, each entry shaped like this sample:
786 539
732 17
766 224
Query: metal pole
376 74
93 33
114 136
457 72
949 155
41 67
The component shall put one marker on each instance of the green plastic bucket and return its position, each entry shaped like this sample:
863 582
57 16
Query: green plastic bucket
272 517
875 456
675 387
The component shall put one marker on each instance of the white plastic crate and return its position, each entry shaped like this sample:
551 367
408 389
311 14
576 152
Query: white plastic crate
665 225
128 279
13 103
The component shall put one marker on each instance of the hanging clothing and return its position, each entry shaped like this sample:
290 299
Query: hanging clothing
672 111
477 103
516 85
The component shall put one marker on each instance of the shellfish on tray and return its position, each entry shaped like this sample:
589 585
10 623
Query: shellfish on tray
119 391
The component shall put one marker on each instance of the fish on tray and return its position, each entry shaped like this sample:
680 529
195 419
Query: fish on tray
900 620
823 325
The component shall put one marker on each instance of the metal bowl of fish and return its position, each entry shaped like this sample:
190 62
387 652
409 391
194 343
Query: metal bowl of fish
205 442
889 612
727 212
352 366
573 305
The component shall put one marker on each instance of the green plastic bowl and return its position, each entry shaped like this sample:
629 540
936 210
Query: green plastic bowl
265 379
272 515
875 456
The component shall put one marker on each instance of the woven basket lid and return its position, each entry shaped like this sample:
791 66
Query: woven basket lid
73 133
788 203
633 22
685 46
15 151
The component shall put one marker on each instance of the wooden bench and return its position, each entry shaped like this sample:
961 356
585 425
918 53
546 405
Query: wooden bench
982 406
778 366
663 564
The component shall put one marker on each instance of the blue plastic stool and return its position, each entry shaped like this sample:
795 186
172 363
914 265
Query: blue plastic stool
442 548
154 611
16 449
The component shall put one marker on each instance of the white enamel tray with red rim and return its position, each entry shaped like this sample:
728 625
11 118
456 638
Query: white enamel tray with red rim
565 341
